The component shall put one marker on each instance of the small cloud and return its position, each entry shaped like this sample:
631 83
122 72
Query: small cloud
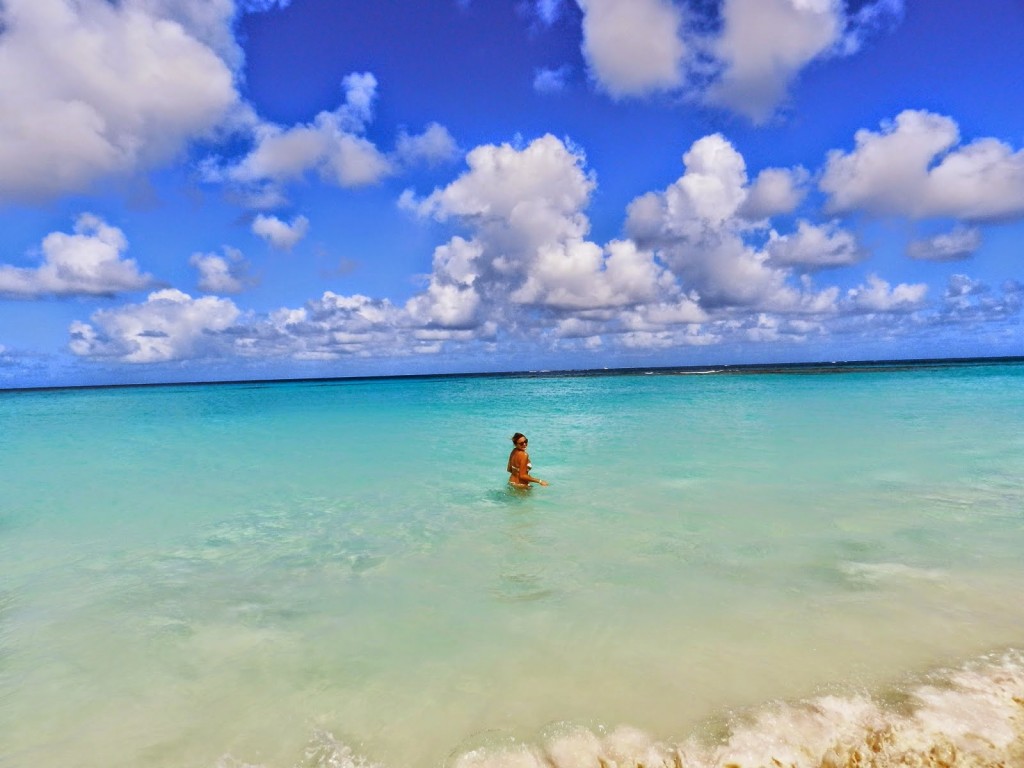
262 6
332 144
87 263
548 11
346 267
961 243
634 48
221 274
962 285
341 267
432 147
814 247
279 234
871 18
879 296
551 80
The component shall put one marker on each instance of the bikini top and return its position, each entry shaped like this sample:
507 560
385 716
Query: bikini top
529 466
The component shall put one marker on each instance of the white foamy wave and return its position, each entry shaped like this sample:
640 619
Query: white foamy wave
323 751
969 718
878 572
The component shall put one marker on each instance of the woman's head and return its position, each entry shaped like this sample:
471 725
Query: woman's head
519 440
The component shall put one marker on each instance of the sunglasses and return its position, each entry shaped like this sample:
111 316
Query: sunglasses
522 442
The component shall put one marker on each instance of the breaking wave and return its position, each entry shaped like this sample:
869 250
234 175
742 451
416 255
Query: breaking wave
971 717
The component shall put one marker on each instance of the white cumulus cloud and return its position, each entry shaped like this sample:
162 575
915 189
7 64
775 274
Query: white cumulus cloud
332 145
698 230
336 326
450 300
544 181
578 274
169 325
955 245
89 262
775 191
211 22
814 247
914 167
221 274
435 145
764 44
742 55
445 305
524 209
877 295
93 89
635 47
701 263
278 233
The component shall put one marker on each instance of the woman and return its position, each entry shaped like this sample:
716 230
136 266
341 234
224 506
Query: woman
519 465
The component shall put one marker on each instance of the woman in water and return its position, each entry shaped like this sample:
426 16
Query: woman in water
519 465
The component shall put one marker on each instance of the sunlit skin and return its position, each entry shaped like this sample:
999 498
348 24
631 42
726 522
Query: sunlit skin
519 464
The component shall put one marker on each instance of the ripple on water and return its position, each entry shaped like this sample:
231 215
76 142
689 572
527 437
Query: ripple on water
878 573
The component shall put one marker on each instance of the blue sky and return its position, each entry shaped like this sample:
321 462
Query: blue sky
218 189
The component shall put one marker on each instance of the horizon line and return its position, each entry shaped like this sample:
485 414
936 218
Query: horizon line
714 368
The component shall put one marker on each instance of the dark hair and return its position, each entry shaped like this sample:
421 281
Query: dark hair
516 436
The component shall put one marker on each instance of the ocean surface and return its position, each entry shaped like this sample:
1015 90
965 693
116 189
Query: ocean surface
809 566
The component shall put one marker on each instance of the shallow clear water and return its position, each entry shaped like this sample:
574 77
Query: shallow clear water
324 573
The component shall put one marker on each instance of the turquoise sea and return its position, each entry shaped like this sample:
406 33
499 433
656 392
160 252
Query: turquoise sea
808 566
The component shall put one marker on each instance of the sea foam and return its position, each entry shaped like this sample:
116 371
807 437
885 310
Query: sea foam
972 717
